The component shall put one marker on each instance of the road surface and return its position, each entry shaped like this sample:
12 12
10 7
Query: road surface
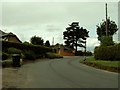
66 73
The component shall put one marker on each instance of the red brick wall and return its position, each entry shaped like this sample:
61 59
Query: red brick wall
63 53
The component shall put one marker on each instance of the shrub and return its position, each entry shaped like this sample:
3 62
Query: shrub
107 52
35 48
14 51
26 43
117 52
29 55
5 56
96 53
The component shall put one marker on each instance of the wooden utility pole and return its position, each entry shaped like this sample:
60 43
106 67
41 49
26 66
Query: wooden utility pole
106 20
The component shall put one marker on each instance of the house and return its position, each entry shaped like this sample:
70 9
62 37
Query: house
10 37
66 51
63 50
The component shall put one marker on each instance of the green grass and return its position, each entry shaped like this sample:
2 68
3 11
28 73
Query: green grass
103 64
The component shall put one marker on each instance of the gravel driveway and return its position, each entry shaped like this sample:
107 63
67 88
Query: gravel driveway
14 77
11 77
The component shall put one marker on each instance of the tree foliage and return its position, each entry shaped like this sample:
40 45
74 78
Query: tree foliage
107 41
36 40
27 43
111 28
47 43
75 36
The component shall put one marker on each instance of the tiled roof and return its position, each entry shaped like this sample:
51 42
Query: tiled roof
3 34
8 34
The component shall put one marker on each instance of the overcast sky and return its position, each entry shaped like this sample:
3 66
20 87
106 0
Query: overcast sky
49 19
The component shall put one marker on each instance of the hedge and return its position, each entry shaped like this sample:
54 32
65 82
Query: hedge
13 51
4 56
29 55
37 49
107 52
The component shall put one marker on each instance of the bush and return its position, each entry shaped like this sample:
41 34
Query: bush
29 51
24 47
29 55
107 52
96 53
117 52
14 51
5 56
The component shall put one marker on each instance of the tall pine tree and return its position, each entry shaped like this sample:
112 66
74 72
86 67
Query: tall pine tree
75 36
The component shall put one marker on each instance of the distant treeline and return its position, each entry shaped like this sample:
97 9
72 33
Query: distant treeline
81 53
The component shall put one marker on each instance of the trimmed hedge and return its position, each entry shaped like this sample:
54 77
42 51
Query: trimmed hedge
4 56
35 48
13 51
107 52
29 55
27 49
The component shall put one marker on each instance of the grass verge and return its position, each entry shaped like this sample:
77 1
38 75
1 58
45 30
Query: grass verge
113 66
9 63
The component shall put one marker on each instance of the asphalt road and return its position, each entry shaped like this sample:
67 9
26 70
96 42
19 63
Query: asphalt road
66 73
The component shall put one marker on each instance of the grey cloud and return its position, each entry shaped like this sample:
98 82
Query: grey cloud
32 12
25 13
53 28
